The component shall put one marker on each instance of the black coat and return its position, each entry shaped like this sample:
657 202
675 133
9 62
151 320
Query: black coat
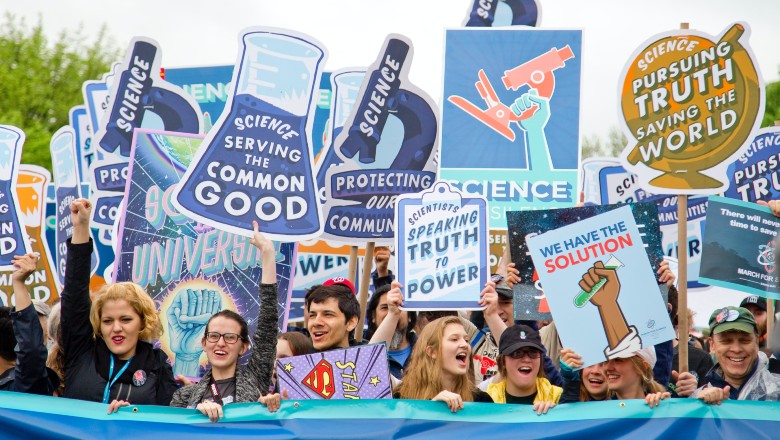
87 359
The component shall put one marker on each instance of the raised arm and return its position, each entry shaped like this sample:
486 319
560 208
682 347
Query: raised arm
77 333
261 364
30 370
395 299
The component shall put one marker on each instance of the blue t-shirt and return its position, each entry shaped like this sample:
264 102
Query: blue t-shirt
402 355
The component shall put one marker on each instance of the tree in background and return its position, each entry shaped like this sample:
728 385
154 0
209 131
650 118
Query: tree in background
40 81
592 146
772 111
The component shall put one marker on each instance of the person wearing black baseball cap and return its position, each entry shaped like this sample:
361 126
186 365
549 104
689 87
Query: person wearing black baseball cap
757 307
523 381
741 371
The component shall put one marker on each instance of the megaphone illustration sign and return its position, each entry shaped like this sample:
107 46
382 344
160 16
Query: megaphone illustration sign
691 104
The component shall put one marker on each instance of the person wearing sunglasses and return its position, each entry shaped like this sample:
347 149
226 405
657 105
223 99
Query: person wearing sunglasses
523 381
226 339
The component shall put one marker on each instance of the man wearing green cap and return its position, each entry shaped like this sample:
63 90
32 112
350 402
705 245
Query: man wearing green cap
741 371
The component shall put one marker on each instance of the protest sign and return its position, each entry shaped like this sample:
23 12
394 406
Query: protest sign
523 149
605 181
207 85
79 121
530 301
31 185
442 240
13 240
691 104
353 373
387 148
67 188
598 261
754 175
138 98
257 162
345 84
496 13
738 251
178 260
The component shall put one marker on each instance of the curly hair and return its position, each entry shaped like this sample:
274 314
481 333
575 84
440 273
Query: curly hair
423 379
138 299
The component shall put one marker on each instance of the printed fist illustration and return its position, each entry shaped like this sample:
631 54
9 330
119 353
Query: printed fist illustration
187 317
527 101
608 293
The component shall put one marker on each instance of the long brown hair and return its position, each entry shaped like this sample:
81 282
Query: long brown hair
645 372
56 358
423 379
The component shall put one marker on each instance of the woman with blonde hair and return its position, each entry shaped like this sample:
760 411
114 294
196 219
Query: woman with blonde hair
441 367
109 356
632 378
56 358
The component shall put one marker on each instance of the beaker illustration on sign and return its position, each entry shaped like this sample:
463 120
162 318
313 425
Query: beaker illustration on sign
256 162
12 237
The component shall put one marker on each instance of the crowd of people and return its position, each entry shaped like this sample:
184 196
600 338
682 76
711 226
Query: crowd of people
102 350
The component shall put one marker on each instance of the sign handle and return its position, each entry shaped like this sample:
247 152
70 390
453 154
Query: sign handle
352 268
364 280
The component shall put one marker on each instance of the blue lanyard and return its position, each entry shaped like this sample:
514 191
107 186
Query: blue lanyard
111 381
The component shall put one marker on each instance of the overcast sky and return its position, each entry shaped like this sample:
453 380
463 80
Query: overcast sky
198 32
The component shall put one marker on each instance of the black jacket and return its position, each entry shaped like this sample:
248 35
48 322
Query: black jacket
253 380
30 374
87 358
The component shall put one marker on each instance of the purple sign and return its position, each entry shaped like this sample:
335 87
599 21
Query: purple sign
353 373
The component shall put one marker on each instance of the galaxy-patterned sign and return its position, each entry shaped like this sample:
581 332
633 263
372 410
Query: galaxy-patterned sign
602 291
530 300
497 13
177 260
354 373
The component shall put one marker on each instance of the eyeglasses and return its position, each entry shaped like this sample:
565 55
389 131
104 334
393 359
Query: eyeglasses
530 353
230 338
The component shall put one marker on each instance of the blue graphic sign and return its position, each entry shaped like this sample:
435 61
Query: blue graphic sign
738 251
177 260
606 302
79 121
13 240
67 189
387 147
495 13
516 144
345 86
443 237
755 175
257 162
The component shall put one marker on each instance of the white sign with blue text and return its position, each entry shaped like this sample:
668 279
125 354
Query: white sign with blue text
442 248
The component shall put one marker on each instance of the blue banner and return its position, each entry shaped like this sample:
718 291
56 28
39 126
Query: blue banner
29 416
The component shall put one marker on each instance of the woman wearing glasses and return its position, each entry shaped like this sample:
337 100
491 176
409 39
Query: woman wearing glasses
227 338
520 365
